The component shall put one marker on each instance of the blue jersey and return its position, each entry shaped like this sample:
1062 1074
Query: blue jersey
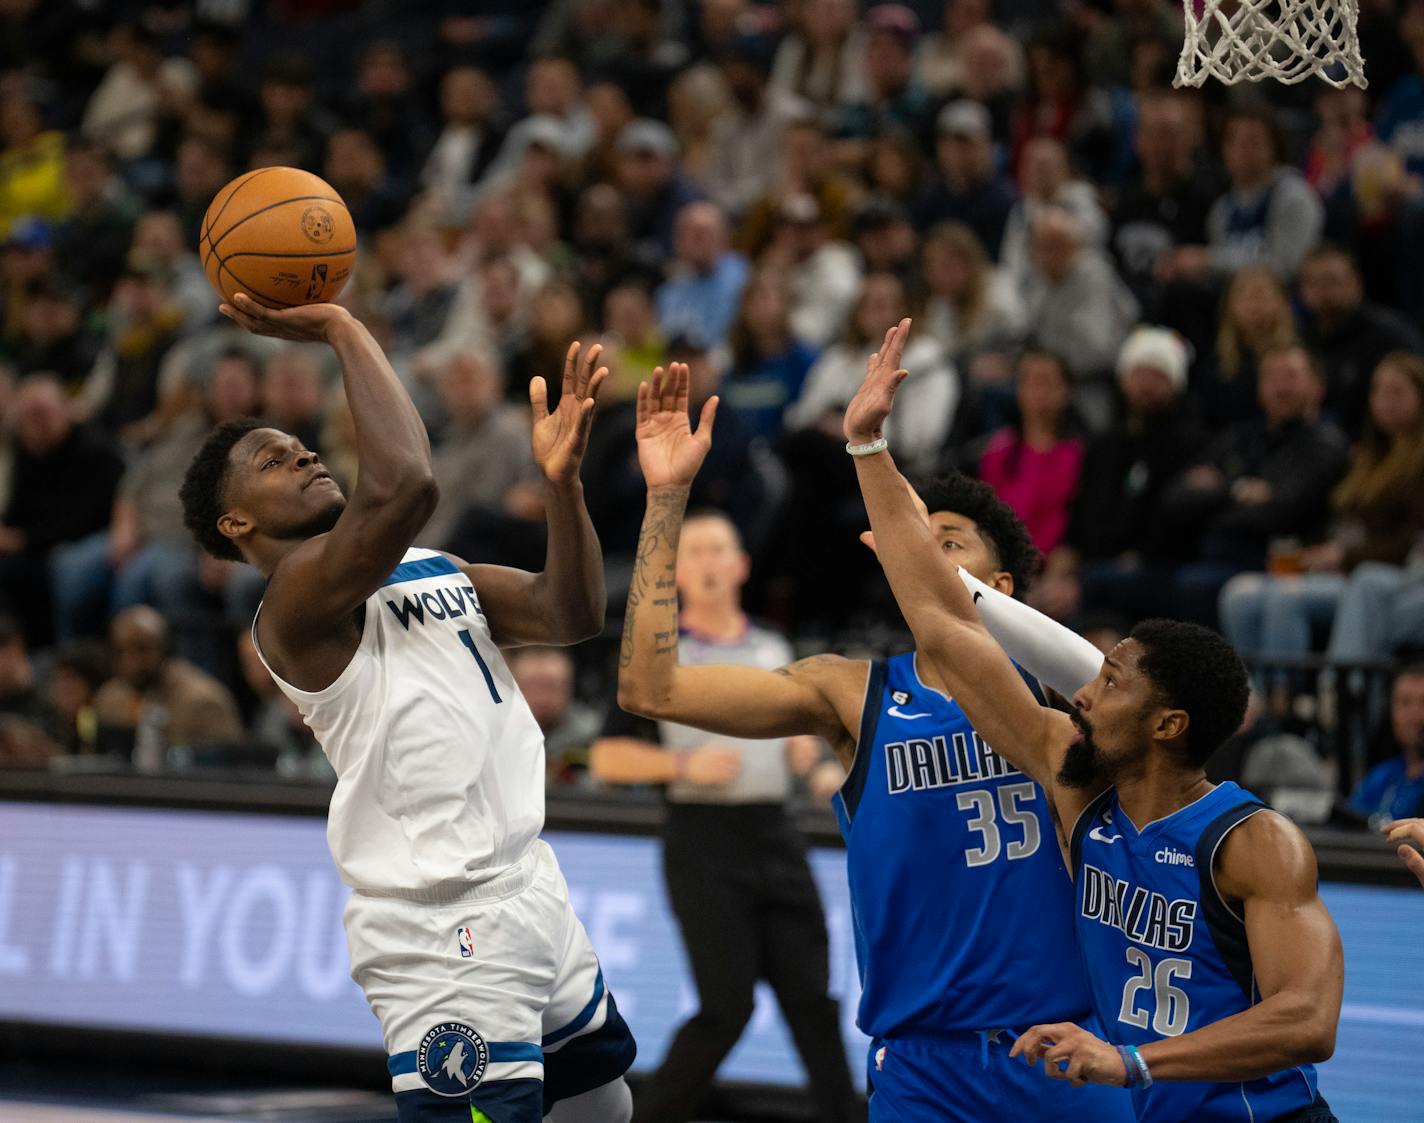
961 901
1165 954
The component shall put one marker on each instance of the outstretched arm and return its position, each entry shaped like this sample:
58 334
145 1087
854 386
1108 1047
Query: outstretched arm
315 589
949 635
730 700
1266 871
564 603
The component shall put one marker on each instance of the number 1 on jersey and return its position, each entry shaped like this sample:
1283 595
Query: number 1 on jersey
469 641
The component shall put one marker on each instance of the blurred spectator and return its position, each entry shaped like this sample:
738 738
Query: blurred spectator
654 187
968 188
1061 103
893 101
885 238
24 717
158 236
744 138
53 337
276 723
357 169
697 99
553 94
146 554
1394 788
93 239
292 395
824 275
973 310
1377 517
65 476
386 104
929 398
1343 130
1165 201
637 345
1401 116
1076 305
123 112
31 164
705 278
603 253
1047 181
545 676
200 170
1255 318
1034 465
804 166
1349 334
1268 216
467 143
1117 522
419 304
156 702
823 57
289 117
484 460
769 364
1260 481
76 673
940 62
555 317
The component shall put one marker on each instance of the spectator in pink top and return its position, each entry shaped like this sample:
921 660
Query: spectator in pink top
1034 464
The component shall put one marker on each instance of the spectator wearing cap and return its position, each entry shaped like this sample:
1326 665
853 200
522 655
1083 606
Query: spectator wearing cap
93 240
885 238
1046 179
705 279
64 480
1116 521
1268 215
654 188
1394 788
824 274
1077 306
1349 333
823 57
968 188
31 165
895 101
1165 200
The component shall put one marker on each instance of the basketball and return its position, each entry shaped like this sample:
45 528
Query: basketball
281 235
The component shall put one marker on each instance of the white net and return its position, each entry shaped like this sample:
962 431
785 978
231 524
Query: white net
1288 40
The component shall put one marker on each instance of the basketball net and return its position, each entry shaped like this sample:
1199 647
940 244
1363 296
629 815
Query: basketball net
1288 40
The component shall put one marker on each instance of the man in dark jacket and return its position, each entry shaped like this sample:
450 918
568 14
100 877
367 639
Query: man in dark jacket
968 189
1349 334
65 477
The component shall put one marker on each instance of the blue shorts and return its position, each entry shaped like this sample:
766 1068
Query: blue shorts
971 1078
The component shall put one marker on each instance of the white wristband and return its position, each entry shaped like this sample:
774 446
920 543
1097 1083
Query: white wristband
878 445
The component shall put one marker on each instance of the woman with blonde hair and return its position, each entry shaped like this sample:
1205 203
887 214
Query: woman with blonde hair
1255 318
969 308
1378 519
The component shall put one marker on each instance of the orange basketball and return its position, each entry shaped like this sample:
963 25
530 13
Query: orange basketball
281 235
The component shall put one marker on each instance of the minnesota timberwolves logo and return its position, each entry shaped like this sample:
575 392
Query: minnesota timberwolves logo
452 1059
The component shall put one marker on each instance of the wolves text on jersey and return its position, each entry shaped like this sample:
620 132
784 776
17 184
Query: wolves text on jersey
1141 915
918 764
441 603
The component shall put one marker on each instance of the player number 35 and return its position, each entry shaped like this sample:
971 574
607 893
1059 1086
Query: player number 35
1012 798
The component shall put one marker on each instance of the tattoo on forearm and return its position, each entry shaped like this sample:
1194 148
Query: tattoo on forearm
662 526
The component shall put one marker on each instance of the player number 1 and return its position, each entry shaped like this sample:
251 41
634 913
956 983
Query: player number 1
469 641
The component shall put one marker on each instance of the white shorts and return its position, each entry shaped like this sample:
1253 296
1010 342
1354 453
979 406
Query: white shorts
488 994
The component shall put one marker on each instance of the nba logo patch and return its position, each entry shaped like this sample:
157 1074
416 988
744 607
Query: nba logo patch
467 943
880 1059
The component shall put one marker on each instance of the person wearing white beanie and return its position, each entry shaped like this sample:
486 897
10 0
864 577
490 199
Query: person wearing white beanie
1157 349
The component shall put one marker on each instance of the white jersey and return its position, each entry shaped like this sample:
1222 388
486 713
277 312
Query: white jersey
439 761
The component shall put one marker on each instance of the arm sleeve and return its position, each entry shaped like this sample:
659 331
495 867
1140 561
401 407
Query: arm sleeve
1053 654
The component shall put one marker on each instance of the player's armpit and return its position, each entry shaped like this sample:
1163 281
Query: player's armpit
820 696
1266 872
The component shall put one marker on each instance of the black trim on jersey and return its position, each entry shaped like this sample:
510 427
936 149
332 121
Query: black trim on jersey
1033 685
1227 929
854 786
1086 818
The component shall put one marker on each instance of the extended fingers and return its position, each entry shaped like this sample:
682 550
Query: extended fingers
586 367
539 398
600 376
571 359
680 398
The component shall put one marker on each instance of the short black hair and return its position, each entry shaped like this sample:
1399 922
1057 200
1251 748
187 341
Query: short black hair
1193 668
204 484
1000 528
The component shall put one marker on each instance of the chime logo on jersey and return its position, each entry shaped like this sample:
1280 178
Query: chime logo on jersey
467 943
452 1059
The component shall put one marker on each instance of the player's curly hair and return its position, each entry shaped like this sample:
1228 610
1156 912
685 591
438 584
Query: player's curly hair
203 487
1194 669
1001 529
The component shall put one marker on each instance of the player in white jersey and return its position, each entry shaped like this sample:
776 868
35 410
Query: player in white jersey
489 995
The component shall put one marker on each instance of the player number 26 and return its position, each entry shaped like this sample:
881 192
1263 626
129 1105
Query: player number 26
1012 798
1173 1006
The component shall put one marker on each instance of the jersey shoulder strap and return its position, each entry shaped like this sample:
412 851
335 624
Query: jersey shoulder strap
1228 929
854 786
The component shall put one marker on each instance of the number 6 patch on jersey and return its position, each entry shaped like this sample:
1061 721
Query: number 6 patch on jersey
467 943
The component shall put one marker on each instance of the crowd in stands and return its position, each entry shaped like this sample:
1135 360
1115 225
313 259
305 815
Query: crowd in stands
1178 331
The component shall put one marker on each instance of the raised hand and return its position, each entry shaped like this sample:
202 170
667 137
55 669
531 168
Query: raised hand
560 438
669 452
308 323
865 415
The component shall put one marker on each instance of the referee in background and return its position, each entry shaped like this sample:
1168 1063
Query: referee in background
734 863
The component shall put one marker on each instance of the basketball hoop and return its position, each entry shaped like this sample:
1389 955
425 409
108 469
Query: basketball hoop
1287 40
